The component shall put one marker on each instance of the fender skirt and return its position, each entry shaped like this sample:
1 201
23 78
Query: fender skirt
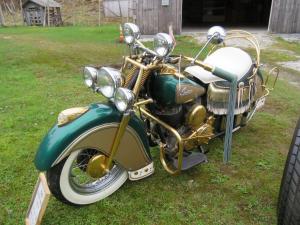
96 129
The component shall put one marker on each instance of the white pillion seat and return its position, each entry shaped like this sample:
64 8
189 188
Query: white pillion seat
230 59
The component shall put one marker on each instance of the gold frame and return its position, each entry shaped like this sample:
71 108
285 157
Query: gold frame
142 76
273 70
162 154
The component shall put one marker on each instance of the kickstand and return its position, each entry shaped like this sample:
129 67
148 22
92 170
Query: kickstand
203 150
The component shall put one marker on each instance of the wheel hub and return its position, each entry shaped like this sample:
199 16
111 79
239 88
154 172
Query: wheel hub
96 167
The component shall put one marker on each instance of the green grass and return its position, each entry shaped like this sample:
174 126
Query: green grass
40 75
288 45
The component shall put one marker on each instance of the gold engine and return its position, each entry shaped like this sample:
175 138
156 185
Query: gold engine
200 127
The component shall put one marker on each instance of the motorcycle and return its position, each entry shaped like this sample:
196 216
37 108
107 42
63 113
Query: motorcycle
91 151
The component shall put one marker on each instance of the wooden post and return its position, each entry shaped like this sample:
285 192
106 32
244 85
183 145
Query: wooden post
73 12
82 13
11 12
60 21
45 16
121 15
128 10
99 18
13 5
22 13
2 21
48 13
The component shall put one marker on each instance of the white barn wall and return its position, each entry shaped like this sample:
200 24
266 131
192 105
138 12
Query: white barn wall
112 9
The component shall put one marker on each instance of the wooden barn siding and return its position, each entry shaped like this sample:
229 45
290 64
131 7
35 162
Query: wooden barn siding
285 16
112 8
152 17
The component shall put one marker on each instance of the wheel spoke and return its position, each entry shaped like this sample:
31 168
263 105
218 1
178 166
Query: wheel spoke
81 180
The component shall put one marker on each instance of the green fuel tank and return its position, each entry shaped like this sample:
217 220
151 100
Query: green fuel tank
170 90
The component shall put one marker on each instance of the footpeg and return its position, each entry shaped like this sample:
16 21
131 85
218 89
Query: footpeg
190 160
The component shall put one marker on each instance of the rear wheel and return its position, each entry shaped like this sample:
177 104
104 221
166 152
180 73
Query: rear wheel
70 182
289 196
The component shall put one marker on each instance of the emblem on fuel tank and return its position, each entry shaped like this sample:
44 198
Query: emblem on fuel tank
184 90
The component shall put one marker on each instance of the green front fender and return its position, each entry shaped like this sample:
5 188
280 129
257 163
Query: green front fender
59 138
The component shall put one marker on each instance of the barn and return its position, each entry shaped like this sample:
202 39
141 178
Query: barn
42 12
276 16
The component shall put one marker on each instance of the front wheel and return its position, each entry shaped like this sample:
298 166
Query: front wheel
70 183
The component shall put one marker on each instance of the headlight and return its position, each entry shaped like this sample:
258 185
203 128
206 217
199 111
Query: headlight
90 76
163 44
124 99
108 79
131 32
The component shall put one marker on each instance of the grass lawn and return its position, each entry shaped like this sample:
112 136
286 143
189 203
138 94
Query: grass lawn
40 75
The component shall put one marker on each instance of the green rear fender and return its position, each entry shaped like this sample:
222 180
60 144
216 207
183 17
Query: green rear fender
95 129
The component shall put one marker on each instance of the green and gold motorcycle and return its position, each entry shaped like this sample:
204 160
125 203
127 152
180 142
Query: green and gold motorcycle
93 150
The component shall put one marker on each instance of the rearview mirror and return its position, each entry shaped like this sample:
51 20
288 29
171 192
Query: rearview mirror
216 35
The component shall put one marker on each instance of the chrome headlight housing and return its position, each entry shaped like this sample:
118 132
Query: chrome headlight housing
90 76
108 79
163 44
124 99
131 32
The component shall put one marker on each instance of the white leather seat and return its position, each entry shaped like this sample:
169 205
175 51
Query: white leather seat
230 59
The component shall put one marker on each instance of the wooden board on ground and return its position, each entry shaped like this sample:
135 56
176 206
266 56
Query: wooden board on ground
39 202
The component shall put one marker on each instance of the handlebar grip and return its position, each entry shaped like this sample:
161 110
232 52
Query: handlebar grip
217 71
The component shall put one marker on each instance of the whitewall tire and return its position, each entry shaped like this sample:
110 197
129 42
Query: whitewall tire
65 186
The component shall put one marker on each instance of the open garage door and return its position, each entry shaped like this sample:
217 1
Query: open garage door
202 13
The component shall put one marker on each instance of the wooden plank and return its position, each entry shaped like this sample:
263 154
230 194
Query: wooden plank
149 15
180 16
287 17
2 21
145 21
297 18
155 16
138 16
284 16
152 17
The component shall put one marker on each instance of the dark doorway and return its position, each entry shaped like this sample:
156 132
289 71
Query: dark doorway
199 13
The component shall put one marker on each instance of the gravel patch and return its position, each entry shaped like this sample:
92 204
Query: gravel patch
290 37
264 38
295 65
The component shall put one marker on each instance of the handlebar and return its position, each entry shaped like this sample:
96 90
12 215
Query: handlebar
214 70
217 71
144 48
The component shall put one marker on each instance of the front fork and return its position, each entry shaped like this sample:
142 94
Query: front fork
117 139
126 116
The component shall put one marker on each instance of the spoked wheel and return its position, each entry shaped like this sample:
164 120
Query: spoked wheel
77 180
